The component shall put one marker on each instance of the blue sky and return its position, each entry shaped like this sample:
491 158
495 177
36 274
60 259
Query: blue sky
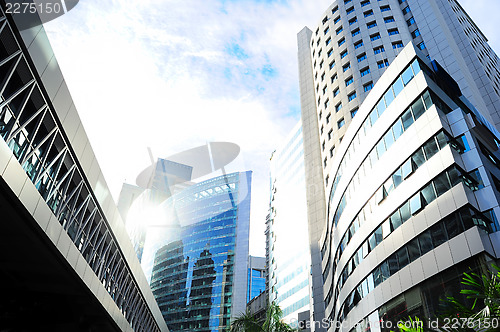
172 75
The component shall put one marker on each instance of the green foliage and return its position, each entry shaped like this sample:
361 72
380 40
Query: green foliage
273 322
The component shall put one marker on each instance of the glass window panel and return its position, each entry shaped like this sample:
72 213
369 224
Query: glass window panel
389 185
441 140
377 277
373 157
398 86
378 235
415 204
396 220
427 99
392 261
388 139
403 259
413 250
442 184
416 67
407 169
405 212
386 228
380 148
407 119
397 177
418 108
430 148
397 129
428 193
365 249
425 242
371 283
407 75
389 97
454 175
453 226
467 218
418 158
373 116
372 242
438 234
381 106
384 271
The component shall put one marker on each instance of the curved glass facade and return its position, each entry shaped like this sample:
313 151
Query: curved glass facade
195 255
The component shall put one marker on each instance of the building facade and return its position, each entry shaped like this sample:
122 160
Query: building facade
69 264
256 277
348 66
289 256
196 255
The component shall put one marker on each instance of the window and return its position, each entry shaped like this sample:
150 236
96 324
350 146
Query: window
415 33
324 89
349 81
326 103
421 46
317 31
330 134
358 44
319 52
355 32
343 54
334 10
346 67
353 20
328 41
361 57
336 92
330 52
388 19
321 64
385 8
328 117
350 10
338 107
371 25
393 32
375 37
382 64
326 30
352 96
340 123
333 78
323 146
368 86
339 30
368 13
353 112
331 151
325 161
410 21
347 1
341 41
332 64
365 3
336 20
379 49
398 44
364 71
322 77
406 10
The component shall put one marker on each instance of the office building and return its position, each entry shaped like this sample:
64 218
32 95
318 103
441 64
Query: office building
289 255
357 93
256 277
67 263
195 254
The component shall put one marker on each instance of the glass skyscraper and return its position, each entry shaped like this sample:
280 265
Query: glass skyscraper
196 255
289 254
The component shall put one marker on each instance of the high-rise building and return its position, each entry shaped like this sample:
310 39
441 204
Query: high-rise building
256 277
289 263
194 251
389 142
